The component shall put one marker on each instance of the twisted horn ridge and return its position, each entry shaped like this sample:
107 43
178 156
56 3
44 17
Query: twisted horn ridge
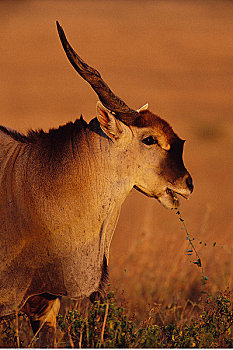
93 77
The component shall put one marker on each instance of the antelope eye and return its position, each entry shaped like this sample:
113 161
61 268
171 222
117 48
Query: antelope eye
150 140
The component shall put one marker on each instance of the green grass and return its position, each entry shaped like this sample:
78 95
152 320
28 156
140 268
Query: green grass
207 324
107 325
201 322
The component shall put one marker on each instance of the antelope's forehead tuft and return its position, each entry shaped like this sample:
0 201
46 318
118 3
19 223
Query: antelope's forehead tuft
160 126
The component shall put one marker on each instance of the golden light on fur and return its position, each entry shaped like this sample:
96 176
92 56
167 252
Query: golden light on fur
61 193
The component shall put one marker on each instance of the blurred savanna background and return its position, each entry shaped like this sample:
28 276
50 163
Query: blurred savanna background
178 57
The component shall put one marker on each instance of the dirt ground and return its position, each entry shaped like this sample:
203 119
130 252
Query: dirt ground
175 55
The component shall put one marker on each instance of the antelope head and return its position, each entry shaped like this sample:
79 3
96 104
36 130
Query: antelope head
156 152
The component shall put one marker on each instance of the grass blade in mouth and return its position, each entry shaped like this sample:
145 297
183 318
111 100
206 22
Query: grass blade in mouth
173 196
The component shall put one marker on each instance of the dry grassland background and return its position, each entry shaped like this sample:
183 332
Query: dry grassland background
178 57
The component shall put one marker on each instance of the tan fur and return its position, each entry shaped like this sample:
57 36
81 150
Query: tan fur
59 207
61 193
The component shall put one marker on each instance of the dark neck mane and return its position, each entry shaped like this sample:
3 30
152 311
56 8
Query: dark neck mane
53 136
54 146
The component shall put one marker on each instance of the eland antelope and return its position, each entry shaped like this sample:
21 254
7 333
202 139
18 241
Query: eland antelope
60 197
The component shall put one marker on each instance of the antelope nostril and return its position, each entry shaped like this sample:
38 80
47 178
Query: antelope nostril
189 183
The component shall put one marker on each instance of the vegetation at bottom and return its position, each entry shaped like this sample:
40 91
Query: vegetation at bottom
207 324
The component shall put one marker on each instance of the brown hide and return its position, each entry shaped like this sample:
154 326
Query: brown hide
56 217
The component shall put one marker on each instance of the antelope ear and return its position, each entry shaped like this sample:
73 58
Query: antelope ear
108 123
143 108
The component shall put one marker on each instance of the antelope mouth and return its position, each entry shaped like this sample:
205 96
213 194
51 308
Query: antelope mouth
170 198
174 194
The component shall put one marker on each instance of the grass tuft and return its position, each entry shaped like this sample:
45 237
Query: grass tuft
208 324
